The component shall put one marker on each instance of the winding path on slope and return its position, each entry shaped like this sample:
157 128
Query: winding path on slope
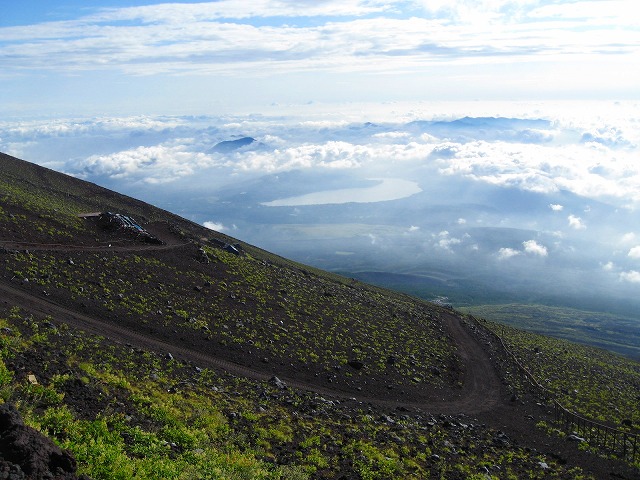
60 247
481 394
480 391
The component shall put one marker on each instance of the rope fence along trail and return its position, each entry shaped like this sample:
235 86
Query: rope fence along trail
622 444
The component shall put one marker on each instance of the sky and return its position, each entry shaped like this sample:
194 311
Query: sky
114 57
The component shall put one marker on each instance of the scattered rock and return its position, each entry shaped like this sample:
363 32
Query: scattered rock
203 258
501 439
276 382
355 363
10 471
387 419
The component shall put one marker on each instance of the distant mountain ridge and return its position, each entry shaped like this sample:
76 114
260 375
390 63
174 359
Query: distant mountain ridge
228 146
487 128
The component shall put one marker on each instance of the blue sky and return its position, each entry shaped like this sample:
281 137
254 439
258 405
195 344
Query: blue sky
71 57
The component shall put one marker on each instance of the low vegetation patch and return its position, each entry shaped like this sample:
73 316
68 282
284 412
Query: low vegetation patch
128 413
273 313
594 383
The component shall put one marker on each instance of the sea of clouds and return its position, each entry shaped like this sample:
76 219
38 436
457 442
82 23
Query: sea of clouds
454 181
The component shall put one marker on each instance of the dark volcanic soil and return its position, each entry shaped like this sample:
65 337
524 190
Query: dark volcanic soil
482 395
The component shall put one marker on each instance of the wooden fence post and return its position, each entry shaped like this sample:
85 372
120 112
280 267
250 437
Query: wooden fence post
585 427
624 446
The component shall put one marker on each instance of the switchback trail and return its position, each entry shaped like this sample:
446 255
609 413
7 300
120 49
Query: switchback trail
480 391
480 395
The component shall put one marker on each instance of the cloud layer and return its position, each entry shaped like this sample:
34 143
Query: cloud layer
217 36
558 155
540 189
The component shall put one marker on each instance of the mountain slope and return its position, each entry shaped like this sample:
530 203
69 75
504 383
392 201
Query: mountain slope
201 352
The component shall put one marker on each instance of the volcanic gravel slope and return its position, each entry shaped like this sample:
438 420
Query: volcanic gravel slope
250 313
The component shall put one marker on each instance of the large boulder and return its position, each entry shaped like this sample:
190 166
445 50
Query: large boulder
26 453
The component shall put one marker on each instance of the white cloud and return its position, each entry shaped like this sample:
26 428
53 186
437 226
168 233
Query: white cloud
153 165
576 222
73 128
594 11
275 141
533 247
505 253
218 227
198 38
530 246
634 252
628 237
413 228
543 167
173 13
331 155
462 221
391 135
632 276
588 170
445 241
502 164
608 267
